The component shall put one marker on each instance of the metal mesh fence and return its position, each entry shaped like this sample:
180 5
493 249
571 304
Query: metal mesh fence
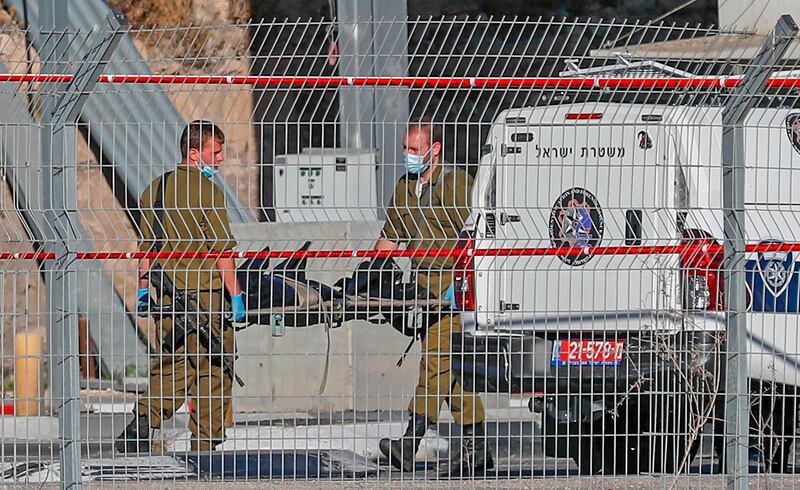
399 251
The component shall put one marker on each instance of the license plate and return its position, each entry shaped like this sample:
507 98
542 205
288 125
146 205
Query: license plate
587 352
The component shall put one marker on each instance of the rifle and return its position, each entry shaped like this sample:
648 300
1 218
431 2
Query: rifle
185 322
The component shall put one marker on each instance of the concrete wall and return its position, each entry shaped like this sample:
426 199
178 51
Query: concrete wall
282 374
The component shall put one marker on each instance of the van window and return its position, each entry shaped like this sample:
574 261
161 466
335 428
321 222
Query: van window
491 206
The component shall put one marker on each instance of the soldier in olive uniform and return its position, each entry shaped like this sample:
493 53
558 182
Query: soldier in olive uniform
428 210
194 219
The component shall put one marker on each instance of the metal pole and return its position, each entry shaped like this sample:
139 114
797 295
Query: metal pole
373 41
737 107
61 107
390 46
356 104
58 187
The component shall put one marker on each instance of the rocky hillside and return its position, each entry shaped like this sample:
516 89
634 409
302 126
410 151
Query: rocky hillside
145 13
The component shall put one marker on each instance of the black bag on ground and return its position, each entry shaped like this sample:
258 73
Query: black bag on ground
286 291
380 277
263 288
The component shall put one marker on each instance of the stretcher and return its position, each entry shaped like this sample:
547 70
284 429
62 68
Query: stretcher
284 297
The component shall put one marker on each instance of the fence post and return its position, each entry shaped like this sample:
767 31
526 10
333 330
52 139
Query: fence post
61 108
737 106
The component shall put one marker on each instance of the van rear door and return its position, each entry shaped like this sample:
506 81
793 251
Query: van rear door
572 178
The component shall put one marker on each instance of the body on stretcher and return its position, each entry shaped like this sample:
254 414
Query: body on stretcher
374 293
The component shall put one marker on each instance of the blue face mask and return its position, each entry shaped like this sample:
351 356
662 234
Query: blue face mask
415 164
207 171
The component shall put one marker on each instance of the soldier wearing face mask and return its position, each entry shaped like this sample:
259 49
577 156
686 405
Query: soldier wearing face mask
184 211
428 211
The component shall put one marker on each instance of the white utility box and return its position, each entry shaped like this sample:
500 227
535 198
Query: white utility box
325 184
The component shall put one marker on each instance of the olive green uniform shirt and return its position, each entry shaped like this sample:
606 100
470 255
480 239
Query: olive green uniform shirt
195 220
432 220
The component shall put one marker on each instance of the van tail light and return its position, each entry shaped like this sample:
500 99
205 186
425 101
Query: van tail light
584 116
464 274
701 274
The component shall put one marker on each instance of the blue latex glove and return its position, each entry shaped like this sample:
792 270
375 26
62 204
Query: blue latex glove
143 302
237 308
449 295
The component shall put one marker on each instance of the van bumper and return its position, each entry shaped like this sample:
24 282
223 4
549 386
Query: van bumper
521 364
570 397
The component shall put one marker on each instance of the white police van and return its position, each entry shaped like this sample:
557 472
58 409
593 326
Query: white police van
580 293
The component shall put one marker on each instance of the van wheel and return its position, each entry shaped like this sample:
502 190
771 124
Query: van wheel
773 420
649 434
595 451
665 423
773 416
607 446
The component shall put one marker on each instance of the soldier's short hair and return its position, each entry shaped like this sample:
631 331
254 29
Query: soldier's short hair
198 132
426 125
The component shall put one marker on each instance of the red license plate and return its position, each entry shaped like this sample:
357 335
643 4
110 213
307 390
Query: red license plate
587 352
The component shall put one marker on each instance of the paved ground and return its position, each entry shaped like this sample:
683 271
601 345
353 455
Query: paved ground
627 483
333 450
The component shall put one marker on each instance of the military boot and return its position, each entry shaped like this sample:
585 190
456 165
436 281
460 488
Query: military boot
473 454
136 436
401 452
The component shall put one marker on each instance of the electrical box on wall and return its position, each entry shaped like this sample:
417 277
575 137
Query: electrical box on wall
325 184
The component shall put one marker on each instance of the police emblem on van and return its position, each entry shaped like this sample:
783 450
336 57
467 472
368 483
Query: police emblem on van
793 130
576 222
775 268
773 282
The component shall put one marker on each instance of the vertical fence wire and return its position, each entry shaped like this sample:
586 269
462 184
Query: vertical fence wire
575 205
